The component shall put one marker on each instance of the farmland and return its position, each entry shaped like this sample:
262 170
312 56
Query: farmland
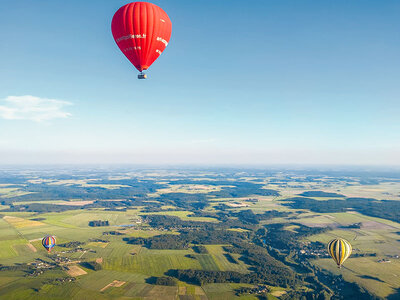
194 235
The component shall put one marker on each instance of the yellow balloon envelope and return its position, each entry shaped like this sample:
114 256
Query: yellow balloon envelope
340 250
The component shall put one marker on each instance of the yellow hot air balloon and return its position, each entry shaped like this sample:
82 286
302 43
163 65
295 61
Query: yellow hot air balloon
340 250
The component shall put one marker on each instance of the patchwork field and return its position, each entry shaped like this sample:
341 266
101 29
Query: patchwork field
124 267
136 254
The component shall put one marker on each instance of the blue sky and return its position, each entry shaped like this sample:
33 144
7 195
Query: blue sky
241 82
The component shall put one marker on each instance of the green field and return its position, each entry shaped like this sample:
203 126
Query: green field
219 257
120 261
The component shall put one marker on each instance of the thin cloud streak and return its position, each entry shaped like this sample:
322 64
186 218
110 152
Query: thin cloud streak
33 108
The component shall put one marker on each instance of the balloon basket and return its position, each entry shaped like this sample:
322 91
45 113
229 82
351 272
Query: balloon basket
142 76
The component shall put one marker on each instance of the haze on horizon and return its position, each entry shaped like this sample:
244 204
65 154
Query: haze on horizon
267 83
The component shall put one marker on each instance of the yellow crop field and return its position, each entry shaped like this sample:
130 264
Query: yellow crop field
75 271
21 223
98 244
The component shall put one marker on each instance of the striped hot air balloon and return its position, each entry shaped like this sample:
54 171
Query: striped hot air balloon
49 242
340 250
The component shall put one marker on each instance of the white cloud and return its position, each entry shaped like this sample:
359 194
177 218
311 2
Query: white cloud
32 108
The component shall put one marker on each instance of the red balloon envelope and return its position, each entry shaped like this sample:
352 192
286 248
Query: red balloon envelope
142 31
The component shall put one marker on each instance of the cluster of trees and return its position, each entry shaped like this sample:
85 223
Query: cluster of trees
317 245
249 217
98 240
72 244
166 280
200 249
98 223
184 200
92 265
260 290
16 267
208 214
113 232
38 219
268 269
353 226
276 236
201 277
165 241
243 189
230 258
321 194
363 254
60 280
140 186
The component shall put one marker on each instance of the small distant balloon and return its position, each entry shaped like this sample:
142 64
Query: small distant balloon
49 242
142 31
339 250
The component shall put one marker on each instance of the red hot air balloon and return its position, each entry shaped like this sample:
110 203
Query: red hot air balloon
142 31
